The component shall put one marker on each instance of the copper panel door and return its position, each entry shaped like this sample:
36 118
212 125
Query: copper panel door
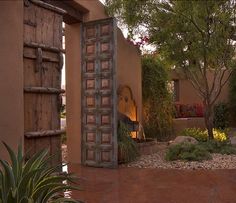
99 123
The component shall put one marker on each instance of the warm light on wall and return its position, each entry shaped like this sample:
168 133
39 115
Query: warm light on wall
127 106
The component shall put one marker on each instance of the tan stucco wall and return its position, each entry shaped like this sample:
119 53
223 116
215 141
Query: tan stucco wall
73 75
188 94
73 78
181 123
96 9
73 92
11 74
129 70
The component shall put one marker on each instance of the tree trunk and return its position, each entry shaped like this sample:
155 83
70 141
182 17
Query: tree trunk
209 120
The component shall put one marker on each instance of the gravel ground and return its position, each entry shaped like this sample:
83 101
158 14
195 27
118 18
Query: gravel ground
157 160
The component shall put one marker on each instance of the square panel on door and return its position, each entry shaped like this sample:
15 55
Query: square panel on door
90 67
90 83
106 83
90 136
105 29
106 137
90 155
91 119
106 156
105 47
105 119
90 32
106 101
105 65
90 49
90 101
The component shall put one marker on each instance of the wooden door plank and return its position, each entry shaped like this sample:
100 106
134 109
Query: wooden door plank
42 78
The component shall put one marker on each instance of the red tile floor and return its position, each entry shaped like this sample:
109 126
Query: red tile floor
133 185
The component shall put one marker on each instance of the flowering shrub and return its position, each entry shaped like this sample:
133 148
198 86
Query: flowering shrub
196 133
202 135
219 135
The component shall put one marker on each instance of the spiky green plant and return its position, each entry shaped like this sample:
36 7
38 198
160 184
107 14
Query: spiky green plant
33 181
127 147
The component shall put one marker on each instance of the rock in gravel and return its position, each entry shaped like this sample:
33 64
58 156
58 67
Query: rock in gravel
183 139
233 140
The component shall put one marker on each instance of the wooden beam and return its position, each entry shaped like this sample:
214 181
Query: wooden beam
46 90
45 133
43 46
47 6
72 15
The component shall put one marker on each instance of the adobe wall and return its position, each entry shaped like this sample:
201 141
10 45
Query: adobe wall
11 74
188 94
129 71
73 75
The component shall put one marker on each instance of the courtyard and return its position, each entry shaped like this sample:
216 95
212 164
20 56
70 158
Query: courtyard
133 185
109 101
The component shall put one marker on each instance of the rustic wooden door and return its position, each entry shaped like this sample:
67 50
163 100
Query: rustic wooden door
99 123
43 62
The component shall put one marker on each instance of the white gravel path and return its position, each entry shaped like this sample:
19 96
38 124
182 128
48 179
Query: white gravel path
157 160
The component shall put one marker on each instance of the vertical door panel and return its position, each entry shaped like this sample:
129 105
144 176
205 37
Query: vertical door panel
42 79
99 142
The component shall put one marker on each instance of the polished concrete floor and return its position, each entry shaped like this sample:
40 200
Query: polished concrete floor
133 185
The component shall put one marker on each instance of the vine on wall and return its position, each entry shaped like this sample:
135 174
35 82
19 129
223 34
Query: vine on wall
157 100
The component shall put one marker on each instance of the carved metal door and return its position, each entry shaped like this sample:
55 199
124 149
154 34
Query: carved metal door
99 123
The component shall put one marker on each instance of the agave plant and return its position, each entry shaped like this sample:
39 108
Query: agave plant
33 181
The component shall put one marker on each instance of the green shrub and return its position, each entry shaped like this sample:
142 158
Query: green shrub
33 181
188 152
198 152
214 146
221 116
202 135
127 147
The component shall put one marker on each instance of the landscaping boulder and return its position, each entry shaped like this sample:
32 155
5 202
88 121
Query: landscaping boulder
183 139
233 140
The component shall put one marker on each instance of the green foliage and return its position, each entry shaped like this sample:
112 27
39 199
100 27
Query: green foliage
198 152
63 111
194 36
32 181
188 152
221 116
157 101
127 147
202 135
214 146
232 97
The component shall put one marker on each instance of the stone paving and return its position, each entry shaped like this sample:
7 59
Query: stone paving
134 185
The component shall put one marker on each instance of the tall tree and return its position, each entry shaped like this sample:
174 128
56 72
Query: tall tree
196 37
